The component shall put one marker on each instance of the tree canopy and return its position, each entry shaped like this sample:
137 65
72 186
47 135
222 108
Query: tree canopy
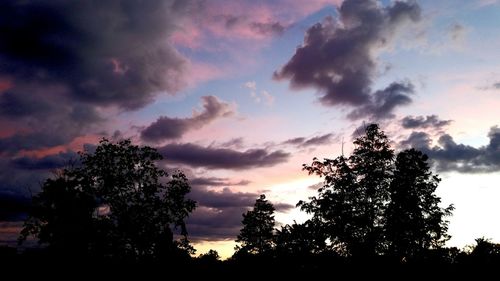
256 236
116 203
370 204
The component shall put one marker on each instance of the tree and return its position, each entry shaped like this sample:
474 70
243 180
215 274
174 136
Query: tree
116 203
212 256
351 204
415 222
300 239
256 236
370 204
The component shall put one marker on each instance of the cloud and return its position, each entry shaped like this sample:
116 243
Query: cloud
268 98
263 96
165 127
450 156
496 86
215 181
115 55
48 162
233 143
223 199
219 214
424 122
338 57
456 32
419 140
252 85
214 224
63 68
384 102
307 142
43 117
268 28
221 158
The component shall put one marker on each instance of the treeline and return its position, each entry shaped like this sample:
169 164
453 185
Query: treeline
374 208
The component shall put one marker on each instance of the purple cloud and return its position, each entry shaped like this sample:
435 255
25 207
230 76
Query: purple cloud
337 58
165 127
221 158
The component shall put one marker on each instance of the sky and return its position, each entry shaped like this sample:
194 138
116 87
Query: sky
239 94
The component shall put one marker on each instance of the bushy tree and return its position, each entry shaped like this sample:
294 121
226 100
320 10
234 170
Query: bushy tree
370 205
352 201
415 221
300 239
256 236
116 203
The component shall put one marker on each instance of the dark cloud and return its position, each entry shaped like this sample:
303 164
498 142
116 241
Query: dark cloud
265 28
384 102
215 181
235 143
171 128
221 158
268 28
429 121
117 54
295 141
219 214
450 156
314 141
48 162
338 58
64 67
43 120
215 224
418 140
496 85
223 199
319 140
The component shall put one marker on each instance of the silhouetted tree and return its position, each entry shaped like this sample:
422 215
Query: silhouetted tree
117 203
211 256
352 202
256 236
415 222
485 252
300 239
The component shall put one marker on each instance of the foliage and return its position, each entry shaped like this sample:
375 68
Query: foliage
415 221
370 205
352 202
256 236
300 239
210 256
117 203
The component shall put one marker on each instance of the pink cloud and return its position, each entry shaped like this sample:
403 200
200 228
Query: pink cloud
75 145
201 72
244 20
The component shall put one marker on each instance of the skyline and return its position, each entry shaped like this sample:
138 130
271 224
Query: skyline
239 95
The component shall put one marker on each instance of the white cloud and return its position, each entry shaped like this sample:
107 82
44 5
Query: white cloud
252 85
268 98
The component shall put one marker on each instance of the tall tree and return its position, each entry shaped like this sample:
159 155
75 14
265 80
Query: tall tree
372 163
351 204
415 222
256 236
117 203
